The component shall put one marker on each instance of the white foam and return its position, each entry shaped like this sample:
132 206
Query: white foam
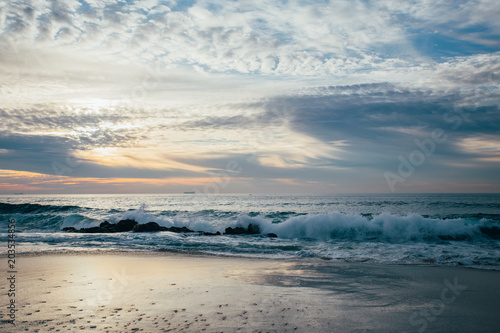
385 227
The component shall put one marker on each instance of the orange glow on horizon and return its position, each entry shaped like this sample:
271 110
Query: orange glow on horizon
18 181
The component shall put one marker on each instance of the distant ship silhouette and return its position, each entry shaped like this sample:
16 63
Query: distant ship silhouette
193 192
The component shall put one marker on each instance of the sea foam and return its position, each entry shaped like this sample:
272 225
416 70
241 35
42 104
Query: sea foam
383 227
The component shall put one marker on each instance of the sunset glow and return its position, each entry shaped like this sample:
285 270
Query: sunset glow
314 96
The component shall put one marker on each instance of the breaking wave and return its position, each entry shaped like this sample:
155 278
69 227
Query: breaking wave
383 227
353 229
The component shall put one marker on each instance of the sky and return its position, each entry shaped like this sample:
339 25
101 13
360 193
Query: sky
218 96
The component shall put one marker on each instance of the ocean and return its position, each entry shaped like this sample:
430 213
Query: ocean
405 229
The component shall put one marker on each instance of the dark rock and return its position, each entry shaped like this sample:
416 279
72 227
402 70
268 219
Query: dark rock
104 227
109 227
272 235
454 238
105 224
251 230
235 231
126 225
205 233
493 232
147 227
132 225
93 230
177 229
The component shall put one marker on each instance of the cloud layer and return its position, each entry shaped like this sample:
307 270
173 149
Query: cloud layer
303 95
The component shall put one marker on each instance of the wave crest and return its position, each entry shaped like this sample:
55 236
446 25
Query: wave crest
383 227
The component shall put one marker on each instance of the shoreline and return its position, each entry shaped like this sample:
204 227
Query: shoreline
195 254
161 292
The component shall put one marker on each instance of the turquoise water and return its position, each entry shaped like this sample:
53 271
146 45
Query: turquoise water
430 229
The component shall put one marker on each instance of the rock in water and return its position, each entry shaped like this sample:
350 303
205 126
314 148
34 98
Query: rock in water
251 230
132 225
205 233
235 231
179 229
126 225
105 224
93 230
108 227
492 232
147 227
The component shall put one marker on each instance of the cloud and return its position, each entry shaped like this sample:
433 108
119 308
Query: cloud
166 53
306 38
84 128
317 133
296 91
378 122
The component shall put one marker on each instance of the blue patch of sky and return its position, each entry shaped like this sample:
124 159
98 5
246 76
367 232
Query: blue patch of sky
10 24
263 26
438 46
485 33
285 38
85 7
353 53
390 51
123 3
182 5
155 16
310 2
478 28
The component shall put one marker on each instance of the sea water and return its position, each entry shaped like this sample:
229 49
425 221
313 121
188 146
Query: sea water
412 229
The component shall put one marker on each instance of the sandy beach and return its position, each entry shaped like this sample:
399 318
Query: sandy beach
121 292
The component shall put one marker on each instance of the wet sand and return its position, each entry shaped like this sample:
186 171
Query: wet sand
179 293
